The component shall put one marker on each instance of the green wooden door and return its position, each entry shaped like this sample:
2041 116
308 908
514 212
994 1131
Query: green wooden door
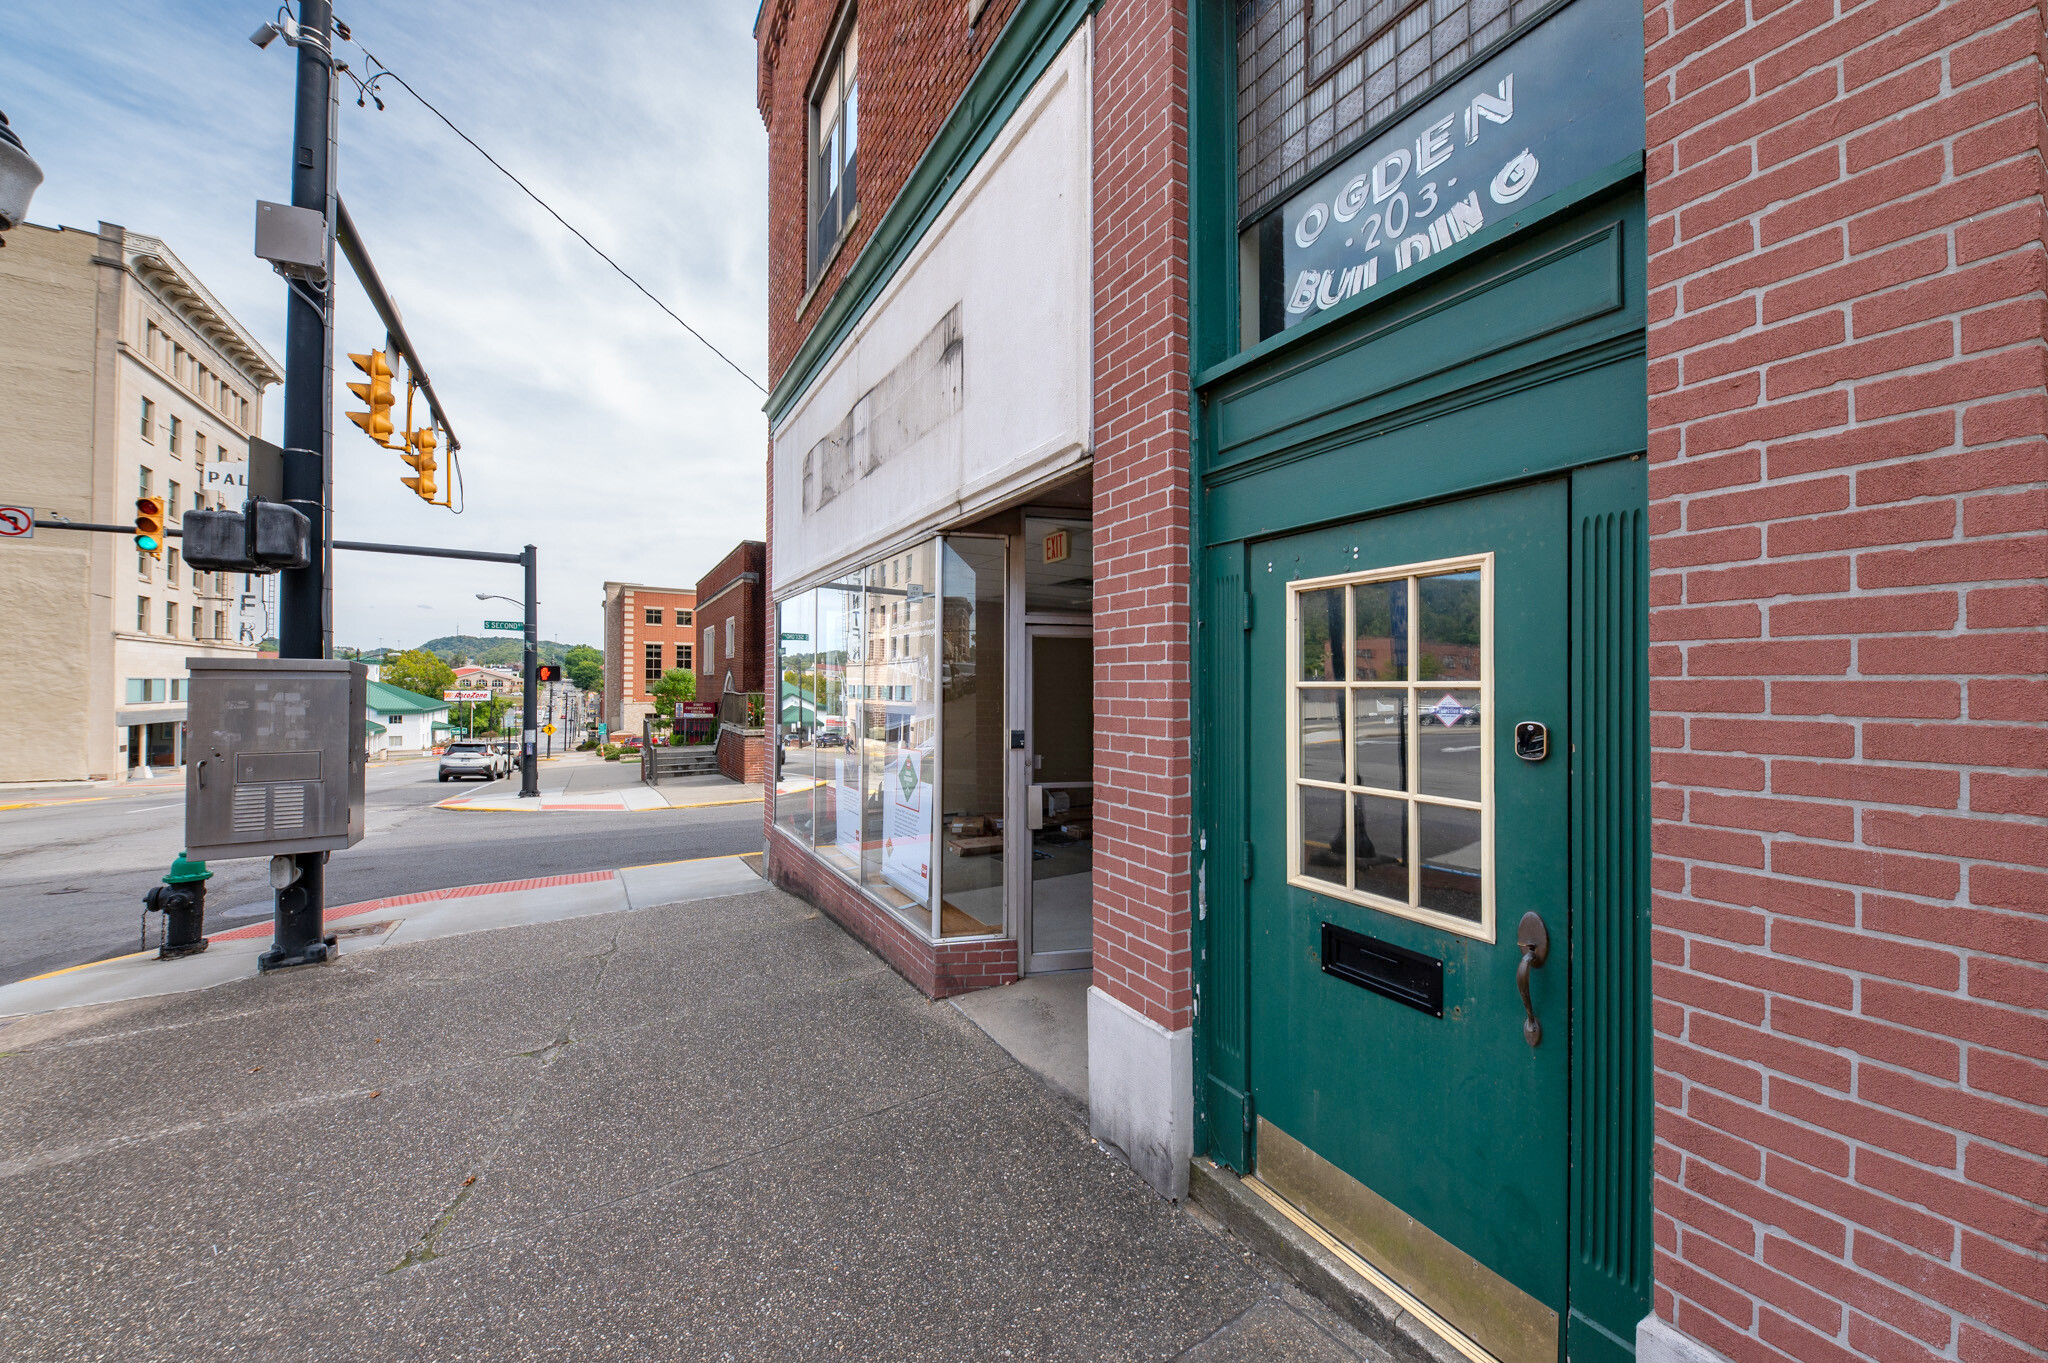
1397 840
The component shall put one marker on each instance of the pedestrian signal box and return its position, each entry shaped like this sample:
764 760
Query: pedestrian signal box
276 752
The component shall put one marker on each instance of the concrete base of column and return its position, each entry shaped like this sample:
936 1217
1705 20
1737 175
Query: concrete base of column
1141 1097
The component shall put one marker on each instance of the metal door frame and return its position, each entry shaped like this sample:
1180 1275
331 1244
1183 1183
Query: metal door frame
1030 962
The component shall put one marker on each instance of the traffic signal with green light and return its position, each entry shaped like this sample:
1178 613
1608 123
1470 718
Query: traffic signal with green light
149 526
421 458
376 395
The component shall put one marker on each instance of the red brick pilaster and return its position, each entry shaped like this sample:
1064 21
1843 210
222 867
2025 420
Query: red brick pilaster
1143 788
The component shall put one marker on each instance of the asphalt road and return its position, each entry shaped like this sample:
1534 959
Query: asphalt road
72 876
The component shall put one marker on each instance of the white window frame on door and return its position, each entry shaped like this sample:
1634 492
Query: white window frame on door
1485 929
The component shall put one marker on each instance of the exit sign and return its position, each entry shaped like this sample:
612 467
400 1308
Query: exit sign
513 625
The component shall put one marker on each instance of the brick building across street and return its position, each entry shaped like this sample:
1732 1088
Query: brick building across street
1481 566
647 630
733 653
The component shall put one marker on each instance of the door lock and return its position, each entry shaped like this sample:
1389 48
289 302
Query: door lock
1532 741
1534 940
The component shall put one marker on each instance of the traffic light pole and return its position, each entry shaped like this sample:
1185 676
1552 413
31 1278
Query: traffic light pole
529 774
303 621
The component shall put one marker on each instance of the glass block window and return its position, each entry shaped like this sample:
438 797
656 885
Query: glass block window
1316 76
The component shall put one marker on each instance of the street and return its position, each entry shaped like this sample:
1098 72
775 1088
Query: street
72 875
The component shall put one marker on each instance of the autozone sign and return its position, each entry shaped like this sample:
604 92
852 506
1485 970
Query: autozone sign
465 695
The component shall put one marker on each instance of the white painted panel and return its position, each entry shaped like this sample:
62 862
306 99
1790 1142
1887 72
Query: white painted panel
969 379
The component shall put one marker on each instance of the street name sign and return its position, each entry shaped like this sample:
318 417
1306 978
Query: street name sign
513 625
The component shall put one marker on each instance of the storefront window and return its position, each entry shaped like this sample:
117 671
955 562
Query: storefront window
892 744
836 804
899 734
796 713
971 670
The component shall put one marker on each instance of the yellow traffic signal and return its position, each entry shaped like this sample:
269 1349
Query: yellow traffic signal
376 395
422 460
149 525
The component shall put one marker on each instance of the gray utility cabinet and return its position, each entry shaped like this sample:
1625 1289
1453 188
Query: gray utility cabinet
275 754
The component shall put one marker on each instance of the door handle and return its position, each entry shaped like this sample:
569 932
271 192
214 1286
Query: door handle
1534 940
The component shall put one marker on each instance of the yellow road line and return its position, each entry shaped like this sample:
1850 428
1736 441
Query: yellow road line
51 975
686 861
82 800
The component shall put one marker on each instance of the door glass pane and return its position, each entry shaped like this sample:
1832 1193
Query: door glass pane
1322 834
1322 735
1062 752
1379 828
971 670
796 713
1379 738
1451 861
1449 732
899 724
835 823
1379 644
1322 634
1447 635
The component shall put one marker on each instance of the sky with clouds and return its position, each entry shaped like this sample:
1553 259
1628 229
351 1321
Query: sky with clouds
592 425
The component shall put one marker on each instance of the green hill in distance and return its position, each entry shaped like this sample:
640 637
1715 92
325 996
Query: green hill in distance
485 650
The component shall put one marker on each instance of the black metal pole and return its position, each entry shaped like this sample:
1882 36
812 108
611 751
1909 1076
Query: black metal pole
529 776
302 614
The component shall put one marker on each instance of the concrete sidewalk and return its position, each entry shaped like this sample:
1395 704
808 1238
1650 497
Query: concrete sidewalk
719 1129
583 783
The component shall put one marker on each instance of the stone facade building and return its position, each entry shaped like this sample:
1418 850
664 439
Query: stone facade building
121 376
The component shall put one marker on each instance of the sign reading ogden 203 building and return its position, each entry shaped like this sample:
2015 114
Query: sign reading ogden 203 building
1559 103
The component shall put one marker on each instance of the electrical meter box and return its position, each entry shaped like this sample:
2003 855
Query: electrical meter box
275 756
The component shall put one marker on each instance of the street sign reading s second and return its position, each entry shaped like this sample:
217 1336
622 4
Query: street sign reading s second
513 625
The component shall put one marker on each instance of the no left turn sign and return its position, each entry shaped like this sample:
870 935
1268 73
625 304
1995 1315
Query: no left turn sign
17 522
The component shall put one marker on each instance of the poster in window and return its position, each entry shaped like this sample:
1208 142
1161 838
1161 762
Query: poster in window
907 800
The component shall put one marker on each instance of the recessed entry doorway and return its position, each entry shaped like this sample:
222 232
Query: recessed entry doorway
1056 906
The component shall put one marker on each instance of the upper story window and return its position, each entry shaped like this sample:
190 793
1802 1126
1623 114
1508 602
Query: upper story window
683 617
177 429
148 420
654 615
835 136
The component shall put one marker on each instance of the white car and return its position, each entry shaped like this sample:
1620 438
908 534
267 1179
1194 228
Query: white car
473 759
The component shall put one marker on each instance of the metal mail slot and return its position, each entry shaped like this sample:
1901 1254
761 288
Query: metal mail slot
276 755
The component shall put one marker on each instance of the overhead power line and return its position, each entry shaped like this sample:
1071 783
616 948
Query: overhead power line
383 71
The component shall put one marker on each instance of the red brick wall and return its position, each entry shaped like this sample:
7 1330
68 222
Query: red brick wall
940 971
1143 786
916 58
1846 411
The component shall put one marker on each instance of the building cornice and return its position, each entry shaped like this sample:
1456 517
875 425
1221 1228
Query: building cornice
156 265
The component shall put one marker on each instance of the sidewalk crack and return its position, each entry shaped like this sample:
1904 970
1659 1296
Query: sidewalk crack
428 1248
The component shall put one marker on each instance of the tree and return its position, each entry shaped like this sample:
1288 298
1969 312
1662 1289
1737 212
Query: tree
674 687
585 666
420 672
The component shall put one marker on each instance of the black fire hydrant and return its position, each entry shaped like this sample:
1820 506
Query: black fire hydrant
181 899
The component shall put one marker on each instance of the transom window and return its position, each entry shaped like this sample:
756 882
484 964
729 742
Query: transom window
835 136
1391 758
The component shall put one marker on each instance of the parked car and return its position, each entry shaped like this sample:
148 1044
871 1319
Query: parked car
472 759
830 738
